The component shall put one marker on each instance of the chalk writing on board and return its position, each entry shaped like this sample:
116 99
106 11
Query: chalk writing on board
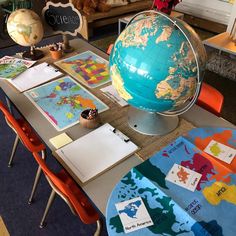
63 18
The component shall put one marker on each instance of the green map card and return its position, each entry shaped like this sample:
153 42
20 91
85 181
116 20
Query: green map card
10 67
62 101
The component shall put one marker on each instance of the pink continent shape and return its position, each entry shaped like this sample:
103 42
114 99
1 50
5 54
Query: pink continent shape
201 165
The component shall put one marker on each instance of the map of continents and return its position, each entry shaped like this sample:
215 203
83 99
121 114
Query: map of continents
168 217
195 213
63 100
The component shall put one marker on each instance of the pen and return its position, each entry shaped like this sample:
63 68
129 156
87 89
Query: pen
113 96
106 95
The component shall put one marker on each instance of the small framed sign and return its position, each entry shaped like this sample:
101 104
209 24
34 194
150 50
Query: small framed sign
63 18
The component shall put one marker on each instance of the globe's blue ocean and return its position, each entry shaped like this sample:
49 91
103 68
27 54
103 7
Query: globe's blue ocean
154 65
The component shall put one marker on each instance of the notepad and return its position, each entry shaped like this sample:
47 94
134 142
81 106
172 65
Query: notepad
35 76
96 152
60 140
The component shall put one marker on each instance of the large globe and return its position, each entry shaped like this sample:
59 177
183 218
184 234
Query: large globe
157 63
25 27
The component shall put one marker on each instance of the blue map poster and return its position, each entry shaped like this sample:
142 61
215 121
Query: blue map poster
62 101
209 210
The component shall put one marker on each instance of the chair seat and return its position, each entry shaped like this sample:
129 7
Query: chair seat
31 134
81 198
210 99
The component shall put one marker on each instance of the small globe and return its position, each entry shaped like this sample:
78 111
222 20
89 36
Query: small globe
157 63
25 27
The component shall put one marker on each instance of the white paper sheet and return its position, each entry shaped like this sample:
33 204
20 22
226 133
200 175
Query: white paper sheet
35 76
96 152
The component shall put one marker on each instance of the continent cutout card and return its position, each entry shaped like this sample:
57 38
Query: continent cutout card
133 214
87 67
183 177
220 151
175 210
62 101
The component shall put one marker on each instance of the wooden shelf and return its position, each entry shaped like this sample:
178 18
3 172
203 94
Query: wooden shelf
99 19
222 42
205 24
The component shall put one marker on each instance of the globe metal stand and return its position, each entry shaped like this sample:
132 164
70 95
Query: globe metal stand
33 54
151 123
66 44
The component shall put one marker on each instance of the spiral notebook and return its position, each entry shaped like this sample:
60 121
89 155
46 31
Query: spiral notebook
35 76
96 152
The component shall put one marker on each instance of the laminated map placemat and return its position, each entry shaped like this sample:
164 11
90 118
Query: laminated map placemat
175 210
87 67
62 101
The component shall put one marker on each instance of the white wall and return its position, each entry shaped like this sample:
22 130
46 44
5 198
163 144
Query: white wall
232 17
214 10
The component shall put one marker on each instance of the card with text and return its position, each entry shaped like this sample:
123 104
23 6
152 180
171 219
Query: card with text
183 177
220 151
133 214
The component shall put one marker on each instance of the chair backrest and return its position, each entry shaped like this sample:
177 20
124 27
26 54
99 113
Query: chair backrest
74 196
210 99
110 48
25 132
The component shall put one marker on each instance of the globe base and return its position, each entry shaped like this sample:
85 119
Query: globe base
151 123
33 55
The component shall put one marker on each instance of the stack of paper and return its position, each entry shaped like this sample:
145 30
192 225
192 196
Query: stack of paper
60 140
96 152
35 76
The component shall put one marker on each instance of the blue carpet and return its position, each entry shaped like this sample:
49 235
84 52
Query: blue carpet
15 186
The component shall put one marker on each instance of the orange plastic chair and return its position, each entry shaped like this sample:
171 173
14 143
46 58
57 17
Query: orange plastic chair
210 99
110 48
28 138
67 189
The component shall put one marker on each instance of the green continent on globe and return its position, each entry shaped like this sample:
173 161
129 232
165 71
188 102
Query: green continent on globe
25 31
25 27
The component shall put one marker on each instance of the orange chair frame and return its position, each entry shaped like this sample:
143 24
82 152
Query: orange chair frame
28 138
210 99
67 189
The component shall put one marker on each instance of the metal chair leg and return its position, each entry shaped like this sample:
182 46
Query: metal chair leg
99 228
50 201
36 180
13 150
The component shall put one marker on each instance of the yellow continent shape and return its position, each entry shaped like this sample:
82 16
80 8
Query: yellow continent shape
220 191
118 83
215 149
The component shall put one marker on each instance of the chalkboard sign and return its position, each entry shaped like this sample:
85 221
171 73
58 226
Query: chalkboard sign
63 18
